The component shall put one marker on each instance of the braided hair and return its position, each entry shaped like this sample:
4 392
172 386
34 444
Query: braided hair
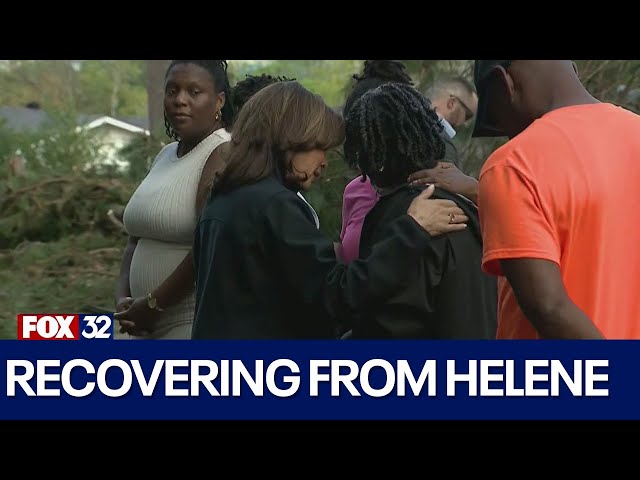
218 71
245 89
374 74
392 131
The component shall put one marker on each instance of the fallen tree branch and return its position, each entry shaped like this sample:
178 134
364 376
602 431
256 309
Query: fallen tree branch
36 186
105 250
76 271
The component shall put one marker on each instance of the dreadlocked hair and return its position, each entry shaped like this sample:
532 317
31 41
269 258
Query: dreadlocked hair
392 131
218 71
245 89
392 70
374 74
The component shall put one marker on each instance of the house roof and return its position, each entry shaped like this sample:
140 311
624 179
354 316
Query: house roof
23 119
106 120
142 122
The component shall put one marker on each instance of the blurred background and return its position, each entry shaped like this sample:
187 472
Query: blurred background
77 136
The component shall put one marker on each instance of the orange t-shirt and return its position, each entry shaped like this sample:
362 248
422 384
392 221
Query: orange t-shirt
567 189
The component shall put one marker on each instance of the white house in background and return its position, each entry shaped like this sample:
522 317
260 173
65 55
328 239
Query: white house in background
110 133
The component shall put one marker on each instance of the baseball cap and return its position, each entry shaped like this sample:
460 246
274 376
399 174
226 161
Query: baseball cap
481 70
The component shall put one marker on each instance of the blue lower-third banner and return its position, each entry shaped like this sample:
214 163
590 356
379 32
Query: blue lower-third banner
320 380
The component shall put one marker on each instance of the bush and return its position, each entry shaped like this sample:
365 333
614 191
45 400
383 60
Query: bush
39 205
52 208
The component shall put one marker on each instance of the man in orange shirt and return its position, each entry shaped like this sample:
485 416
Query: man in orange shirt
558 203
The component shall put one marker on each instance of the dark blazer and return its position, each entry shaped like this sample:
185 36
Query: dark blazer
451 153
264 271
451 298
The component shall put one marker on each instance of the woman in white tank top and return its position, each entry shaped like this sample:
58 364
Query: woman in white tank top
155 293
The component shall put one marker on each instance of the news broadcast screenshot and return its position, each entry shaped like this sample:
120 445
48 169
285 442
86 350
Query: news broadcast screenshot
319 239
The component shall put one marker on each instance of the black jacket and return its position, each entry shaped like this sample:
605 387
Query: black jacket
451 153
264 271
451 298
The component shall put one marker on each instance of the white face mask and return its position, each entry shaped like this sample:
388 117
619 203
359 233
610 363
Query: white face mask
448 129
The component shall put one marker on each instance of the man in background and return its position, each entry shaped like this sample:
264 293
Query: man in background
456 102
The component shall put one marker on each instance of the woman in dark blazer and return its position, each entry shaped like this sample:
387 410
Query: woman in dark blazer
264 271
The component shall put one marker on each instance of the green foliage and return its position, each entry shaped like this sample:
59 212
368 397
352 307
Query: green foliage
327 78
140 153
58 195
113 87
107 87
612 81
57 148
55 207
67 275
51 83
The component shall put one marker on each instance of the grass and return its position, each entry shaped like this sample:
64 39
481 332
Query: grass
66 276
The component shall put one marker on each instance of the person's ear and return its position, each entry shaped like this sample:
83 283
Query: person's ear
505 79
220 101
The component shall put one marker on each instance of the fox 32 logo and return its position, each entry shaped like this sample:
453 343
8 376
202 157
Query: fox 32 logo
56 326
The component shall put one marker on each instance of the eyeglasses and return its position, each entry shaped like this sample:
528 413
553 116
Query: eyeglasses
468 113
